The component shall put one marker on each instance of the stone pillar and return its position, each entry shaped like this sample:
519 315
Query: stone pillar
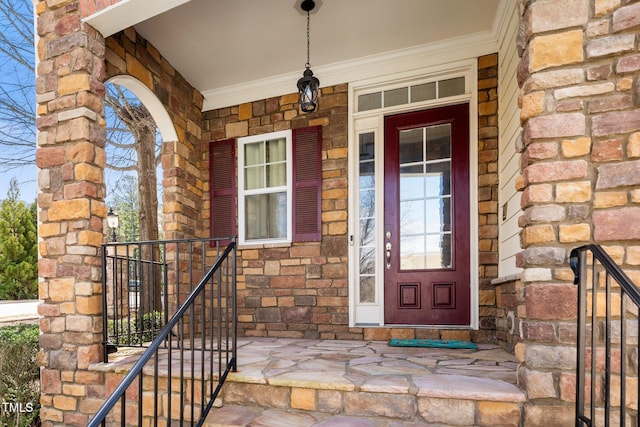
579 76
71 158
487 194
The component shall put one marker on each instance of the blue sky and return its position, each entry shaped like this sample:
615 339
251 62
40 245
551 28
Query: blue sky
17 84
27 182
17 81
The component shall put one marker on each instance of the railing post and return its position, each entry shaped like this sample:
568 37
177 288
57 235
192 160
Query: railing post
579 266
234 292
105 332
608 400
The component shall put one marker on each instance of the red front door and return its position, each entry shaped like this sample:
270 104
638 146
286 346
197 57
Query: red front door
426 217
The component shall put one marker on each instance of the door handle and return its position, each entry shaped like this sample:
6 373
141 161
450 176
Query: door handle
387 248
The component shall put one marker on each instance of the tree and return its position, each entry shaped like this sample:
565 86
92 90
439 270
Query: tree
18 247
132 145
125 203
18 114
136 152
17 88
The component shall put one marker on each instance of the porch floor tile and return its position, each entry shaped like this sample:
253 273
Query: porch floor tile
373 366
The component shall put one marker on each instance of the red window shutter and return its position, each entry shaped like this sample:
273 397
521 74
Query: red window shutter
307 184
222 179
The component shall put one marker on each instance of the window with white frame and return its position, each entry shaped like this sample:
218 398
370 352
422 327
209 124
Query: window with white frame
264 188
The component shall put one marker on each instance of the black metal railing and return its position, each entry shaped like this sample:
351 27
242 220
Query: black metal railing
144 284
178 377
607 386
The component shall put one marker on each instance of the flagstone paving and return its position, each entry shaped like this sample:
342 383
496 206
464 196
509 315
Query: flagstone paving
387 378
332 379
350 365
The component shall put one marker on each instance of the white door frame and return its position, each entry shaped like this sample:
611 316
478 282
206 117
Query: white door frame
372 313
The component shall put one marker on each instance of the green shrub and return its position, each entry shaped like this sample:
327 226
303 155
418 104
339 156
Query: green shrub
19 376
132 332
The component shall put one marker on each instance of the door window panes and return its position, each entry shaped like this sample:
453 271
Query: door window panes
423 92
396 97
450 87
366 214
425 198
410 94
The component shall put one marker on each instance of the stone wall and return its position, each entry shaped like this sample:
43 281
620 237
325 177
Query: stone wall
509 307
74 62
301 290
487 194
298 290
579 78
70 156
128 53
89 7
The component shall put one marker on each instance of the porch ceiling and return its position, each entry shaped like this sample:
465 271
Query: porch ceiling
229 46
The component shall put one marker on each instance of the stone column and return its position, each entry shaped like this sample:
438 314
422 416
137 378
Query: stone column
71 158
579 75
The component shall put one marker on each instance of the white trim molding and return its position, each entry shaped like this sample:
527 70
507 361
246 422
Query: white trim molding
127 13
387 64
151 102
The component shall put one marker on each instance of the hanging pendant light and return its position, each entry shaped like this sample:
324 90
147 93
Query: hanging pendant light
308 85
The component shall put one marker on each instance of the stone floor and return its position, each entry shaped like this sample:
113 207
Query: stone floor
322 380
348 365
486 374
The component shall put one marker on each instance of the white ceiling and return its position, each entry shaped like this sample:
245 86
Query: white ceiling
219 45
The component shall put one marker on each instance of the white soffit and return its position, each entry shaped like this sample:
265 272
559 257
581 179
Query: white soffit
388 63
236 51
127 13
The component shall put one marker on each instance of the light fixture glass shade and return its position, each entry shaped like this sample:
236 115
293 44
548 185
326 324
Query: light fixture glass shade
112 219
308 91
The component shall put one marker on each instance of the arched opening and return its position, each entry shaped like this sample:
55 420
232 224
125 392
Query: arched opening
137 126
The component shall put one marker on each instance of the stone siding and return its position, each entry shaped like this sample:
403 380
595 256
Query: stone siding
301 290
510 305
127 53
89 7
70 157
298 290
74 63
579 78
488 192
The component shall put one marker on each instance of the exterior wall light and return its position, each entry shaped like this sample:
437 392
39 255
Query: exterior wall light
112 222
308 85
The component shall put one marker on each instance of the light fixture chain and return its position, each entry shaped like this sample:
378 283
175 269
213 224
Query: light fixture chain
308 20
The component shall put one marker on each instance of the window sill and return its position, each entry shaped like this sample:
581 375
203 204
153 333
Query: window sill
505 279
264 245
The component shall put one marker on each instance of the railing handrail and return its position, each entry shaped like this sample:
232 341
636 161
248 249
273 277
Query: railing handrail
143 261
600 335
612 268
169 241
121 388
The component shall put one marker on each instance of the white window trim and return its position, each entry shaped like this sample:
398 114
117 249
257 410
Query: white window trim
287 135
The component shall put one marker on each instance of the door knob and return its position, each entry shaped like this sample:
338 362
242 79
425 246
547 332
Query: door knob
387 248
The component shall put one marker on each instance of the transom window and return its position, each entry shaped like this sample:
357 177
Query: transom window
264 190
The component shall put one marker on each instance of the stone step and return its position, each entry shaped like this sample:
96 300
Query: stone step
341 381
454 400
369 409
241 416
